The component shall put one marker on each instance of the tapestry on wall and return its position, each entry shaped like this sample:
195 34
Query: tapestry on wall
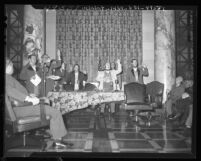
33 30
93 37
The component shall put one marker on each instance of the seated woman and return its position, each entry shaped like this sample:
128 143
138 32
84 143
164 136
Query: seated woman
77 79
107 81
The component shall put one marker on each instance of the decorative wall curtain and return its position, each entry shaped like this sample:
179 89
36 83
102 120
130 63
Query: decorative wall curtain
90 37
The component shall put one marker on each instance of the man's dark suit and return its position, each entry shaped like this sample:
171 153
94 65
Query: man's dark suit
141 73
81 77
26 74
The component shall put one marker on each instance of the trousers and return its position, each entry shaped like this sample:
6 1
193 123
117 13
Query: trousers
57 127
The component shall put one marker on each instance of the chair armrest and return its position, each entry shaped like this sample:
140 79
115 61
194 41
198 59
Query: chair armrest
20 104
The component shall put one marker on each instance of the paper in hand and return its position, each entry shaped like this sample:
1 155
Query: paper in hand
36 80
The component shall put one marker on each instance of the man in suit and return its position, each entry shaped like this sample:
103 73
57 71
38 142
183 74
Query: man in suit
174 95
17 92
77 79
136 73
29 72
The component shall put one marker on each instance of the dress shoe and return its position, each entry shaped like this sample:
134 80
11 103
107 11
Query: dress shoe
57 145
66 143
173 116
61 145
113 114
187 131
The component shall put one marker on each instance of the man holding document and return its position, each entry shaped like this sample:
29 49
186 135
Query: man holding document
32 75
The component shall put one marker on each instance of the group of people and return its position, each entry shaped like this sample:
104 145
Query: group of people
37 84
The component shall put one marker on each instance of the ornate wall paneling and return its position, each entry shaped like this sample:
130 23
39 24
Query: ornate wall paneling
184 43
14 39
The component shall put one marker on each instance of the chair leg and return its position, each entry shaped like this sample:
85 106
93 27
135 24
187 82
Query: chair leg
149 117
136 118
23 141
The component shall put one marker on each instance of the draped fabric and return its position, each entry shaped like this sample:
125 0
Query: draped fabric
93 37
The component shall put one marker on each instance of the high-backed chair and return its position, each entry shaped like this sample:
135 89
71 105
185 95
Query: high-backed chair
155 91
22 125
135 94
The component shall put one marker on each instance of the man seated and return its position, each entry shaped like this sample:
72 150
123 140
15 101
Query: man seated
17 92
77 79
174 95
184 106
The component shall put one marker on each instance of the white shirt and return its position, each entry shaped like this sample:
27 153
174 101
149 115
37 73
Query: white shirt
76 78
76 87
135 73
34 67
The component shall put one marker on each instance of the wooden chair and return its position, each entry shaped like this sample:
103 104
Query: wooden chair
135 100
23 125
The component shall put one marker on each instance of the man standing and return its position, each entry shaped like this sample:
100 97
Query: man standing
136 73
30 72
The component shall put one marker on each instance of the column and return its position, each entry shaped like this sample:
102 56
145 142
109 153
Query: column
148 43
51 33
34 28
164 63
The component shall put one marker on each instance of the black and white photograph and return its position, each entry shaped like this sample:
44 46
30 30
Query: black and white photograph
98 79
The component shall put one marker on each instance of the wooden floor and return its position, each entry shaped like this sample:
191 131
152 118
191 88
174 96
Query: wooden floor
115 134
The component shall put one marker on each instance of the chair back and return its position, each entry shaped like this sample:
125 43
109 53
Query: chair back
9 113
20 124
135 92
155 91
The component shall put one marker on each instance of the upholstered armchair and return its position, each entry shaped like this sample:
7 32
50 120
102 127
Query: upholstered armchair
135 100
154 92
23 125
